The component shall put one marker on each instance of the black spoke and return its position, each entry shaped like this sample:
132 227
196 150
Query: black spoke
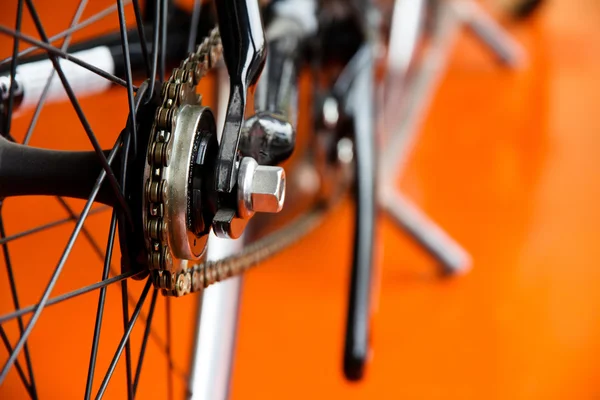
100 311
138 369
194 25
87 22
169 354
54 52
142 34
67 296
15 299
102 158
49 225
125 307
156 338
86 233
129 78
155 38
13 70
163 39
9 348
59 267
124 339
44 95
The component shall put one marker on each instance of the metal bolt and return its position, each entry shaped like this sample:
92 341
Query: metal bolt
268 189
261 188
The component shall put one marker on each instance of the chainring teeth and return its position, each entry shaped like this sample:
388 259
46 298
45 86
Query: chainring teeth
174 276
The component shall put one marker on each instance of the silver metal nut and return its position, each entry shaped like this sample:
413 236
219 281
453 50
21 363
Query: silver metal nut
268 189
261 188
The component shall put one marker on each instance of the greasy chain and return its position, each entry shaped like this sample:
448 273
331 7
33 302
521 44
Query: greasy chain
193 276
178 90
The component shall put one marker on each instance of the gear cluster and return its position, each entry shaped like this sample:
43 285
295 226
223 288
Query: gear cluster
172 273
178 203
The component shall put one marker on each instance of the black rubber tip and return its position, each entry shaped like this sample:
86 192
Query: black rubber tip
354 365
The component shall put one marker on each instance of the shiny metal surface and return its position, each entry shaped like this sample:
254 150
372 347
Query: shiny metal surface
406 32
268 137
403 123
261 188
183 243
245 175
213 353
217 321
244 51
268 189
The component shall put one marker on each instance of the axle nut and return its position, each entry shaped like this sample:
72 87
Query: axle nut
261 188
268 189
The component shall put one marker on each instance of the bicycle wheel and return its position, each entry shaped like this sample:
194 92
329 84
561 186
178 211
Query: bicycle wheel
133 241
122 339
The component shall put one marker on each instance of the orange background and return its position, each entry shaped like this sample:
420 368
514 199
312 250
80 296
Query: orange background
507 162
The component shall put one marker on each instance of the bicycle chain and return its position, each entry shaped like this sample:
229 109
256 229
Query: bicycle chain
178 90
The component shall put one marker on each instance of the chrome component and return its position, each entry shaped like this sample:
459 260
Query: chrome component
245 176
216 319
226 225
261 188
267 137
173 251
268 189
182 242
217 315
404 122
170 241
407 25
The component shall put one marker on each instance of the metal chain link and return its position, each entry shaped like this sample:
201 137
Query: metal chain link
178 90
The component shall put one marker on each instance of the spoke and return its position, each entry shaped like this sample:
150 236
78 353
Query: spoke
124 339
87 22
67 296
163 39
44 95
17 364
169 354
15 299
100 311
125 306
48 226
59 267
99 152
155 337
13 70
194 25
54 52
147 331
86 233
142 34
157 14
129 78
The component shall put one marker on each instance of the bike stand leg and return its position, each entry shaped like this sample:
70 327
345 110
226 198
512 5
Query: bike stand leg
452 257
491 34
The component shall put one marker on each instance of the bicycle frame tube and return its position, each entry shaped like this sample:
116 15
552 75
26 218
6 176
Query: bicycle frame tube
213 355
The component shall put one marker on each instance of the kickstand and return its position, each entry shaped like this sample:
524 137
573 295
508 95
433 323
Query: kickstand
416 98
